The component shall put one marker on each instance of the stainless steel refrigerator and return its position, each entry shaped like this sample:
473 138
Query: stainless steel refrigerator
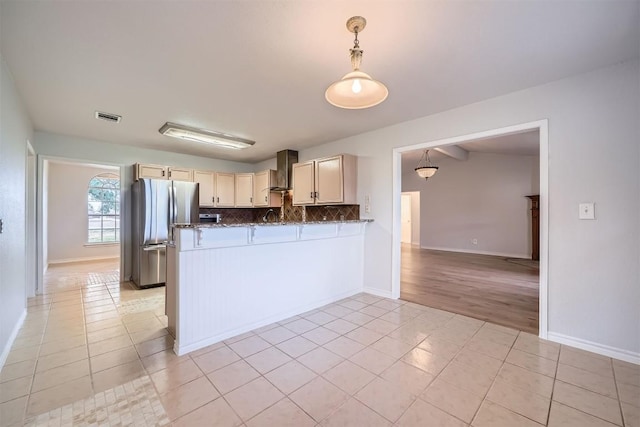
157 204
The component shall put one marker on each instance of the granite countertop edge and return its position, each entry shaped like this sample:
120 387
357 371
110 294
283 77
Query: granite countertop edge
268 224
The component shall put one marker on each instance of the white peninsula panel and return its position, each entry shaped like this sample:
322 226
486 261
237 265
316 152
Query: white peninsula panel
224 281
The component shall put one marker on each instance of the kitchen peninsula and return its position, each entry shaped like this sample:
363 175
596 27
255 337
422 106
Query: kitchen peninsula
227 279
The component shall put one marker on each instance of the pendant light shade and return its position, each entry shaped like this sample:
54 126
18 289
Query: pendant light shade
427 170
356 89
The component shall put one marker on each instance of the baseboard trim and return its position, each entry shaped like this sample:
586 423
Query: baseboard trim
377 292
85 259
470 251
12 338
605 350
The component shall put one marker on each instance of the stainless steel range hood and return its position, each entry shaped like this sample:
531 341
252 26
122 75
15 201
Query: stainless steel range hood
285 159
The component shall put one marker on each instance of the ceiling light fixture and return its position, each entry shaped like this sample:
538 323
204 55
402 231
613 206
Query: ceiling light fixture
222 140
356 89
428 170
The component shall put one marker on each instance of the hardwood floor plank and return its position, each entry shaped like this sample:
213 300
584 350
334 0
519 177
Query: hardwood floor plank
495 289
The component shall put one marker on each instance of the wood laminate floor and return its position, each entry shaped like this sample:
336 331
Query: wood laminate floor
500 290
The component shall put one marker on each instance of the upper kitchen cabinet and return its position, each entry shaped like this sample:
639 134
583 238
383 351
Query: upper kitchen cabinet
303 183
149 171
206 181
262 195
141 170
327 181
180 174
244 190
225 189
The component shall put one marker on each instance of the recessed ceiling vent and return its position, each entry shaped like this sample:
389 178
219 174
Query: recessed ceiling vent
108 117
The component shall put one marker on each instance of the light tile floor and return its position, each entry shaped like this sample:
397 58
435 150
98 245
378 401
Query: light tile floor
93 351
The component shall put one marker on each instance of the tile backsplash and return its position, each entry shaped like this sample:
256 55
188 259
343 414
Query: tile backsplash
287 213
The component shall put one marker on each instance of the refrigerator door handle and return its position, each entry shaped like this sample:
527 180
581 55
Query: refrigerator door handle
154 248
170 215
171 203
175 205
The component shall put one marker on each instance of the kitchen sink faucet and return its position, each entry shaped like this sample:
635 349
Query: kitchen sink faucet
265 218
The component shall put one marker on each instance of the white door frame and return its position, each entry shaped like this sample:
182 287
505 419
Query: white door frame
30 222
41 159
543 127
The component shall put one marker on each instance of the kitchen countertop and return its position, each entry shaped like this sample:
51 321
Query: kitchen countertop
266 224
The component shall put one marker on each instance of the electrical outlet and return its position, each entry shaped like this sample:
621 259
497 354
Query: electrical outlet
474 241
367 204
587 211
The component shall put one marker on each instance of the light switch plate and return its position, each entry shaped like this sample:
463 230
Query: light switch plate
587 211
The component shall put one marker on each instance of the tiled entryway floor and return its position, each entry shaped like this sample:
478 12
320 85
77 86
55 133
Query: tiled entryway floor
93 351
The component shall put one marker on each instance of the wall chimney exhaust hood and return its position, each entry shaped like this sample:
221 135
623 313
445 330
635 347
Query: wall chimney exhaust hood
285 160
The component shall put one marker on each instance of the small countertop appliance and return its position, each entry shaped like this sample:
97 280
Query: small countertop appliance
210 218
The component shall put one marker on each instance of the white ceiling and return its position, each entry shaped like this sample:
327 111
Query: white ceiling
259 69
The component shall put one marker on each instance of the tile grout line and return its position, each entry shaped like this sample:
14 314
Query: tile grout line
615 381
475 414
35 365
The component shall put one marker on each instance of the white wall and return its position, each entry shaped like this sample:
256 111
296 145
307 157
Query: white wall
67 201
15 130
593 156
53 146
482 198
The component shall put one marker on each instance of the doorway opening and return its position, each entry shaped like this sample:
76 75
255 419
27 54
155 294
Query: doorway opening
460 250
410 214
79 215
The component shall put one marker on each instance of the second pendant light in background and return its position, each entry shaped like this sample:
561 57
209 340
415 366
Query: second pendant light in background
425 169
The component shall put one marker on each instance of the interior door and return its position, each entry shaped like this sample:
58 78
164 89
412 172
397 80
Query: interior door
405 218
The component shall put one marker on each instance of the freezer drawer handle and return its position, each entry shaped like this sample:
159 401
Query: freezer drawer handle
154 248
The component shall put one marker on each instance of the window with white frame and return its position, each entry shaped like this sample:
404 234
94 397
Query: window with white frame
103 208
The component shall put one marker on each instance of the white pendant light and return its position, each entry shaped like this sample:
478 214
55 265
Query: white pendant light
356 89
427 170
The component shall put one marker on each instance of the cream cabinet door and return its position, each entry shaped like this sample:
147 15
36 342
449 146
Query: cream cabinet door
262 194
303 183
329 180
150 171
181 174
244 190
206 181
261 185
225 186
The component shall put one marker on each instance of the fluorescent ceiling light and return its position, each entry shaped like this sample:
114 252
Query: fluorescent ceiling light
221 140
